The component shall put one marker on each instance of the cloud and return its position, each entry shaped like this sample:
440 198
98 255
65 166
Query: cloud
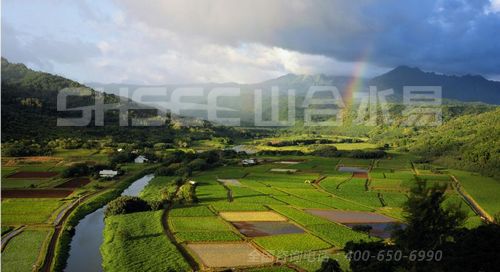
249 41
44 51
447 35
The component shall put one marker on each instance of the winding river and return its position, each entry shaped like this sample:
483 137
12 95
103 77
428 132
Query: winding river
84 255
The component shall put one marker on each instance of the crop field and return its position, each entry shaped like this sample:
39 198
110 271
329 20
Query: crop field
74 183
205 223
23 183
229 255
266 228
241 211
355 162
291 244
207 236
252 216
483 189
7 170
36 193
136 242
22 252
32 175
188 211
28 210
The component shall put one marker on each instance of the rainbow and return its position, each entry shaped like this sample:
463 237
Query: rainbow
355 83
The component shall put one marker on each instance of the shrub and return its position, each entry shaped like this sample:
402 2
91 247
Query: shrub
126 204
198 164
327 151
76 170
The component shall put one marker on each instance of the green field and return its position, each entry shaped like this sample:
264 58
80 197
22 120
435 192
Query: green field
22 252
17 211
153 191
136 242
291 244
483 189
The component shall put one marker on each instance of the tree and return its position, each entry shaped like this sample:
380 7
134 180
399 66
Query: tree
329 265
431 227
429 224
76 170
126 204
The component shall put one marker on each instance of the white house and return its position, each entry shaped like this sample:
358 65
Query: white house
140 159
192 182
107 173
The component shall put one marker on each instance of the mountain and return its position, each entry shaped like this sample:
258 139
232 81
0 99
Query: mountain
29 111
468 88
466 142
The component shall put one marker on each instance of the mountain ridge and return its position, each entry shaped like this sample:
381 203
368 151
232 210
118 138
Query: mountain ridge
465 88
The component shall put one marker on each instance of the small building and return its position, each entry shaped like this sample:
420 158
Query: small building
140 159
107 173
119 149
192 182
249 162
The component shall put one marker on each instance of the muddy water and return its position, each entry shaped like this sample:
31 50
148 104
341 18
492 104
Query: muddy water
352 169
382 230
381 225
351 216
257 229
84 255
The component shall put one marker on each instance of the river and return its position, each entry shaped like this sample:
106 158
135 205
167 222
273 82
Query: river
84 255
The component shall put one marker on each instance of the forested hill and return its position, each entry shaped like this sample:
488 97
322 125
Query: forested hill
29 112
469 142
469 88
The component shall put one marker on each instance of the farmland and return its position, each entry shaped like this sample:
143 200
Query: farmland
239 209
23 251
135 242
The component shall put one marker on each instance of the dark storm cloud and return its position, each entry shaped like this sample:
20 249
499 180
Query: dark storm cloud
448 36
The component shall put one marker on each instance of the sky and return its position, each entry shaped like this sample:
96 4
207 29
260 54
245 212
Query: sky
189 41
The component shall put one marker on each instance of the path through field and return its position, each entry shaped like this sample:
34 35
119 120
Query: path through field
11 235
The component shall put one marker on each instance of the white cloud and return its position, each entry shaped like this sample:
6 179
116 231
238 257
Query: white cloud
494 6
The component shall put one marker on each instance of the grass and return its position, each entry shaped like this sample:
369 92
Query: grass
6 229
337 234
334 233
291 244
136 242
18 211
298 216
21 253
484 190
190 224
7 170
153 191
191 211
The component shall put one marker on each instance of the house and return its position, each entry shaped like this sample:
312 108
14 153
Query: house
140 159
119 149
107 173
249 162
192 182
